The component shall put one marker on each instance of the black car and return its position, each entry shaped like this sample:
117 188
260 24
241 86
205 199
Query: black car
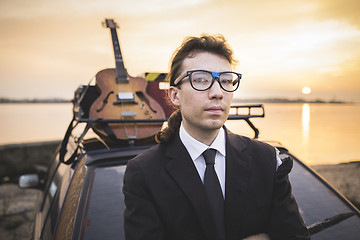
81 193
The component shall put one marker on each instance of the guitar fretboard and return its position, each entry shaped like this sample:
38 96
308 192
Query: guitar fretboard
121 74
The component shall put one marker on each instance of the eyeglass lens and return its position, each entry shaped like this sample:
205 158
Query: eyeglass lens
202 80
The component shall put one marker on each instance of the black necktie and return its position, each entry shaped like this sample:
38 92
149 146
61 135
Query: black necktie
214 193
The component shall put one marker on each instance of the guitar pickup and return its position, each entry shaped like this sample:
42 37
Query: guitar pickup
125 97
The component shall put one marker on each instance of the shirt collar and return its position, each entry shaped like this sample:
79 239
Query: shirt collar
196 148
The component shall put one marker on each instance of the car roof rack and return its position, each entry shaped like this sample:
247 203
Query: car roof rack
236 116
246 117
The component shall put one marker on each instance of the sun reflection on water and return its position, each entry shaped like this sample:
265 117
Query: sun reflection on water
305 122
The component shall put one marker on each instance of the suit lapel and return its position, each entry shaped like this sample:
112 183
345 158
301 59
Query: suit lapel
238 165
181 167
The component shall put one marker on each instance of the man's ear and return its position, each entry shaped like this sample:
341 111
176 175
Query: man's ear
173 93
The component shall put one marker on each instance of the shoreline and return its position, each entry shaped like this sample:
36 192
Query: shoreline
4 100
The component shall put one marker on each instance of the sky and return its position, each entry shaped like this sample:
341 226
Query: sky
49 48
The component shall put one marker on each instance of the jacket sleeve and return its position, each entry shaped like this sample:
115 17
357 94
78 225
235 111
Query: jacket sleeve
286 221
141 220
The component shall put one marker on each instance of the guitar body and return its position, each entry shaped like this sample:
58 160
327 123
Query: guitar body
110 106
123 97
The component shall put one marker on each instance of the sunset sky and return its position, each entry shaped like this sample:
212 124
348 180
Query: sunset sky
49 48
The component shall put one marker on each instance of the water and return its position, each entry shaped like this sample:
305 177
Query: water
316 133
33 122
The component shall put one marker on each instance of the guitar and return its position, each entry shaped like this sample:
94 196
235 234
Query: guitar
123 97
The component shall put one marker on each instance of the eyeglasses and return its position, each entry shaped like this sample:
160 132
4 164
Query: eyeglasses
202 80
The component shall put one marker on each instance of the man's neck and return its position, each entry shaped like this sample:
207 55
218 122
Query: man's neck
205 136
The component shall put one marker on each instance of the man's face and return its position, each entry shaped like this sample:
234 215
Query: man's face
202 111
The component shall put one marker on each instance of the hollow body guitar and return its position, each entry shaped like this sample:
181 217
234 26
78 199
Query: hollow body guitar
123 97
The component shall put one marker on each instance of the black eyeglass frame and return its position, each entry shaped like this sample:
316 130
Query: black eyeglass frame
215 75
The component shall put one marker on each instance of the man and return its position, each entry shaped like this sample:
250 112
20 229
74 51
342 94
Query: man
181 190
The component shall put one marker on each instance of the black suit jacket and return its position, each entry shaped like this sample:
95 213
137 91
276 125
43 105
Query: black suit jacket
165 197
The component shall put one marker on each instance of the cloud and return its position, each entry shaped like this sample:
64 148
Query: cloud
342 10
38 8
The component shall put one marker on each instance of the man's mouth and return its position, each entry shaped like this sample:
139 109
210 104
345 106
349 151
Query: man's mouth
215 110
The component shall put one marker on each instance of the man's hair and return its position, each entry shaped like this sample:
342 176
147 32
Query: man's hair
215 44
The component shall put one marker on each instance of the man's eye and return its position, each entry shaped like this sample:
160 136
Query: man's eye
226 81
200 80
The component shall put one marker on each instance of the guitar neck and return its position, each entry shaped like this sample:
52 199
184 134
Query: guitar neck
121 73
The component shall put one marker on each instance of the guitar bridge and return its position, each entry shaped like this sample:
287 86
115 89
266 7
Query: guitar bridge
128 115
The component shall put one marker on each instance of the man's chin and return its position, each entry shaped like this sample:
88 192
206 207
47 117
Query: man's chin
215 124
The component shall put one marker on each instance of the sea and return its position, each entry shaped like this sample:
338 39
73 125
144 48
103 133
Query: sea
314 132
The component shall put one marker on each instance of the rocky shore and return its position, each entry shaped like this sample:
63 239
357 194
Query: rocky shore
16 211
345 177
17 205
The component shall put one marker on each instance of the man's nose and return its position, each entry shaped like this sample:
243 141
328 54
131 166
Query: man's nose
215 91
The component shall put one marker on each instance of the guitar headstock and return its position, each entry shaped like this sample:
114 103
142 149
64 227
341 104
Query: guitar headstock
110 23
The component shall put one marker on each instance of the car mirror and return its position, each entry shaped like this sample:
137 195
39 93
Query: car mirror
29 181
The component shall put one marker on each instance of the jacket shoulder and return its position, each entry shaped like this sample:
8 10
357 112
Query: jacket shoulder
263 155
148 156
247 143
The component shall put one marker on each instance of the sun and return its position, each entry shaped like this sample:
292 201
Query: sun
306 90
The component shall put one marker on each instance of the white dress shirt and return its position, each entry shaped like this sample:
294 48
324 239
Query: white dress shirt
196 148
